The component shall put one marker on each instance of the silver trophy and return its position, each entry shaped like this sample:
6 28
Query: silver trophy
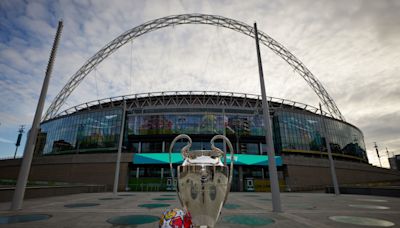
204 181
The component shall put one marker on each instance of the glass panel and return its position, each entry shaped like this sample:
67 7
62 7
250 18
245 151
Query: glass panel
249 148
243 125
151 147
99 131
298 131
93 131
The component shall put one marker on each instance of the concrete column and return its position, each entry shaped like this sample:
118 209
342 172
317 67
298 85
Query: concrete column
23 175
224 131
263 175
240 178
137 172
331 162
121 140
273 174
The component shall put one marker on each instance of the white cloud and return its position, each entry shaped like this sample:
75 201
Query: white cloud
5 140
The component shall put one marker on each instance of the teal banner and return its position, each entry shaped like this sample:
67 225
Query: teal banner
238 159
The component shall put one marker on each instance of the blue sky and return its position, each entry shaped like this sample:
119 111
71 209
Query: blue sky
353 47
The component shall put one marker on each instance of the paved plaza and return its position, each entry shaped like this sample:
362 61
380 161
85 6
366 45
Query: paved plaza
242 210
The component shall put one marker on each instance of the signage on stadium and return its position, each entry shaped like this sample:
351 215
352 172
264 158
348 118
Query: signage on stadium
238 159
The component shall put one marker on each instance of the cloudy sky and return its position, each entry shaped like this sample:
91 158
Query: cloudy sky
353 47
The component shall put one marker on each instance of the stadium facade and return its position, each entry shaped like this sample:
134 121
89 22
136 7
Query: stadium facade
152 120
80 144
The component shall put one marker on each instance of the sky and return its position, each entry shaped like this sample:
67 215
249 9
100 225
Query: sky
351 46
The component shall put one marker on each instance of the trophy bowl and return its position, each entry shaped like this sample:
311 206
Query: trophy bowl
203 181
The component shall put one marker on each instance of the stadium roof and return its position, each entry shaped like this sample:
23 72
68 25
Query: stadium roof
192 99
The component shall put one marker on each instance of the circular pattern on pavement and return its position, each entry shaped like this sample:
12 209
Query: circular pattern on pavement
231 206
110 198
301 206
153 205
362 221
132 219
162 199
252 195
369 206
76 205
247 220
168 195
23 218
374 200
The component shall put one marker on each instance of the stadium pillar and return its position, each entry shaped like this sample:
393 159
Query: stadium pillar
32 137
118 162
273 174
331 162
224 132
240 171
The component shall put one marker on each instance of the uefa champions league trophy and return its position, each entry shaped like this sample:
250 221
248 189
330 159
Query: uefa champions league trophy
204 181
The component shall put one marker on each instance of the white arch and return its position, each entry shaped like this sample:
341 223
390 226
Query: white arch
163 22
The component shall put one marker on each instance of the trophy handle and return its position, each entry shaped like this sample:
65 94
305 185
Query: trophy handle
184 152
216 149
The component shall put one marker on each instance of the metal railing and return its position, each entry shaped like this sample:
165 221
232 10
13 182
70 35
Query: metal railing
147 187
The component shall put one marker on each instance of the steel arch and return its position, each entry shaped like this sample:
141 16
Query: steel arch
205 19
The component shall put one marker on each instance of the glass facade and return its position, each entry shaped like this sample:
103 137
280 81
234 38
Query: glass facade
303 132
294 131
207 123
81 132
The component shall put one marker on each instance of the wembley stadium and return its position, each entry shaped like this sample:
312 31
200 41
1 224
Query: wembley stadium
80 144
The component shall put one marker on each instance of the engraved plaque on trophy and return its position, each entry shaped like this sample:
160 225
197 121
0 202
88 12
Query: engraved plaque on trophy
203 181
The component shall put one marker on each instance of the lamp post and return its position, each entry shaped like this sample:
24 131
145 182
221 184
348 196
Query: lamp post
377 153
273 173
30 145
118 161
328 147
223 114
21 131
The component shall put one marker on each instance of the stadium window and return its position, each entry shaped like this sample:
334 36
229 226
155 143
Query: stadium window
250 148
151 147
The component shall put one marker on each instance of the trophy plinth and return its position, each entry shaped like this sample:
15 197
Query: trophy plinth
203 181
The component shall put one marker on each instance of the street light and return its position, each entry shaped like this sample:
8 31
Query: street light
273 173
377 153
330 158
224 132
21 131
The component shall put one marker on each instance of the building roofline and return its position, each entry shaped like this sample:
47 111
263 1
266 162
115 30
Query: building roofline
117 100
